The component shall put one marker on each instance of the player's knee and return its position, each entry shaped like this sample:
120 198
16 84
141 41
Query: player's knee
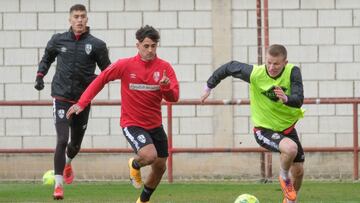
293 151
62 142
147 155
151 158
289 147
73 149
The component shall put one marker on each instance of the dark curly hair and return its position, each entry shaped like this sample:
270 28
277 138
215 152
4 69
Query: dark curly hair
147 32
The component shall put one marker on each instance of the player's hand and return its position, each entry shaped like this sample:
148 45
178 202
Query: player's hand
164 80
74 109
39 83
280 94
205 95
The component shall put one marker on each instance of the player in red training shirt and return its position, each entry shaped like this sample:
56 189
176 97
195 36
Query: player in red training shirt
145 81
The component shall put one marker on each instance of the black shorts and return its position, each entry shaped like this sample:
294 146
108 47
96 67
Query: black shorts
139 137
78 121
270 140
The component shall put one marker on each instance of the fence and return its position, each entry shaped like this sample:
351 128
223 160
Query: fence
266 165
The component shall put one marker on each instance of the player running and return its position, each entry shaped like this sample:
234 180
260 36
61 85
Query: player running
145 81
276 97
77 53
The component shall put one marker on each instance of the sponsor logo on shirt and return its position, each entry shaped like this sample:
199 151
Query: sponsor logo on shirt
271 94
144 87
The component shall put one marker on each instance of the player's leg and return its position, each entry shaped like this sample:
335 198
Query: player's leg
297 174
145 156
297 167
62 133
78 125
288 151
140 140
158 167
277 142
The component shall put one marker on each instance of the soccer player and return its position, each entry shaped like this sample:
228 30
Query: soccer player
77 53
276 97
145 81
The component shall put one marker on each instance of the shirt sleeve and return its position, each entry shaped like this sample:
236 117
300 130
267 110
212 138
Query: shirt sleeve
296 98
49 56
170 92
233 68
102 56
113 72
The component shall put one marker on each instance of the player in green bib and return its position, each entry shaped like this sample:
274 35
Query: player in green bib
276 97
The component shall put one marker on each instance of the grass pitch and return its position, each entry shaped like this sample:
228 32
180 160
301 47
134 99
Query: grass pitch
185 192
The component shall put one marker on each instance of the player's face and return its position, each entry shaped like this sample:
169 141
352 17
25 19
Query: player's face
78 21
275 64
147 49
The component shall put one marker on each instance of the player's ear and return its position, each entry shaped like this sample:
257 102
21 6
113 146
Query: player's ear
286 61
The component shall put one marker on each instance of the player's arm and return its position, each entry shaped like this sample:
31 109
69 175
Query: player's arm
102 56
296 98
233 68
48 58
113 72
169 85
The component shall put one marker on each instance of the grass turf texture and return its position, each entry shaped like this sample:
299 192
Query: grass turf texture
188 192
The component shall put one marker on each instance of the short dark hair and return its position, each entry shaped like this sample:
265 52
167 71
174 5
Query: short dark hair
77 7
147 32
277 50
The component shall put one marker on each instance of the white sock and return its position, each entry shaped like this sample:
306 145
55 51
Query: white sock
284 173
67 159
58 180
289 201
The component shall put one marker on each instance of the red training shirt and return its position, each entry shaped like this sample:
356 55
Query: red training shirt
141 93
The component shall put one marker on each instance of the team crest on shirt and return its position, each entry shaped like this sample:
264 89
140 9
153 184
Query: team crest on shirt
61 113
141 138
88 48
156 76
